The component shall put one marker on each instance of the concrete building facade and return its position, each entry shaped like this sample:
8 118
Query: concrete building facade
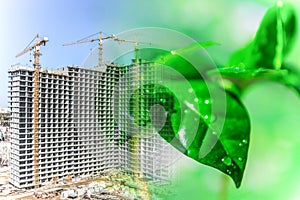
139 110
83 128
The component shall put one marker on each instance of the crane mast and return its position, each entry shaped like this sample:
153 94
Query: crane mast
138 177
100 58
100 43
36 66
136 49
135 141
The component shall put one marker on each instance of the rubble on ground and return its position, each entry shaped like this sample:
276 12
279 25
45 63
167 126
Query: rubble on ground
112 185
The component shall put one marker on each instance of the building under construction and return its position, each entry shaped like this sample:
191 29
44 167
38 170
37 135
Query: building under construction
84 126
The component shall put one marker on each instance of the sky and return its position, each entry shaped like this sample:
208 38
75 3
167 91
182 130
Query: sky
65 21
229 22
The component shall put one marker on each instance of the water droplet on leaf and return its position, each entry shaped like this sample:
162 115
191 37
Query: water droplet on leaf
214 133
192 152
162 100
213 118
227 160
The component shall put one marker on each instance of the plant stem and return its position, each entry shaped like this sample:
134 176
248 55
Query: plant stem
223 192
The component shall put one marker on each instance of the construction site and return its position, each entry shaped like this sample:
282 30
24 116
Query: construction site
77 132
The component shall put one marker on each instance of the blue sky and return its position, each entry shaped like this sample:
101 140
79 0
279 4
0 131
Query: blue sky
61 21
65 21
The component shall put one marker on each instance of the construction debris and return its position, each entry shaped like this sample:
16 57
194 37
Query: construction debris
112 185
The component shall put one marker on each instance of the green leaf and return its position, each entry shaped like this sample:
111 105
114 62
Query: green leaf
240 78
272 41
193 114
196 132
291 79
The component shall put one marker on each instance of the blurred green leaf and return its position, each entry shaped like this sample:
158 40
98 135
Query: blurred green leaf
272 41
292 77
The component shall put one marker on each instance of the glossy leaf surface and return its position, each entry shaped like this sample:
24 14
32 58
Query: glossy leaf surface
194 133
193 114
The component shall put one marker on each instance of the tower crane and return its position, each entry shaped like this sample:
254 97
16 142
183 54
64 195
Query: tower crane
36 66
135 141
136 42
100 43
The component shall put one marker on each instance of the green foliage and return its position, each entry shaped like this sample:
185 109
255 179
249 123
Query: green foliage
223 148
272 41
196 133
203 121
291 79
262 59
